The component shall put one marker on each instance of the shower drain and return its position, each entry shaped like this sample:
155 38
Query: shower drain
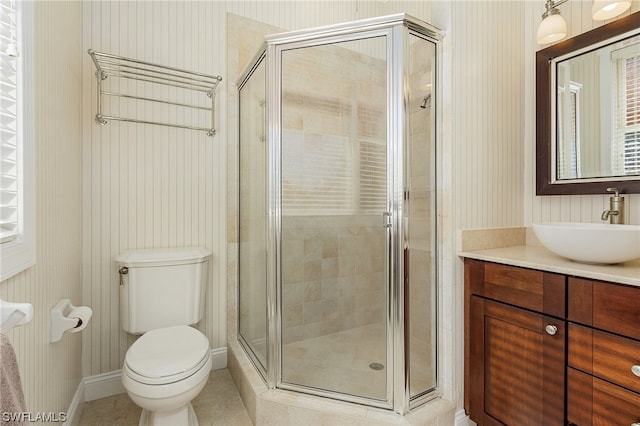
376 366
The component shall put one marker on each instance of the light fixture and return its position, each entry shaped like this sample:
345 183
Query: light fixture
607 9
553 27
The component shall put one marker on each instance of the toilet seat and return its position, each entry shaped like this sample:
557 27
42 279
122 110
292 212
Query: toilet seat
167 355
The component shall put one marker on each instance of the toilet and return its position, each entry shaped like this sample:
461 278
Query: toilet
161 297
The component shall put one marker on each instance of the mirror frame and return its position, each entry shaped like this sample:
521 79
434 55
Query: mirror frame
544 185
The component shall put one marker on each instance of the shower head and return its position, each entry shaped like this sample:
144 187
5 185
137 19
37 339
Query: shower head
426 101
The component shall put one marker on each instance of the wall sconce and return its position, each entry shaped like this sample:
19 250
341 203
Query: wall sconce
607 9
553 27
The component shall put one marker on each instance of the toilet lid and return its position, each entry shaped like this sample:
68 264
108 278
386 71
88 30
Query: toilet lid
167 352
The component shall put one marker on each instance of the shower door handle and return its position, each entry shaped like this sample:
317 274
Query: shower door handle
386 220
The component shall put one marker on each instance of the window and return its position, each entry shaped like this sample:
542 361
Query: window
631 116
627 135
569 131
17 248
332 175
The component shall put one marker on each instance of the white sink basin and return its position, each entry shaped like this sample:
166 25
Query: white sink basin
590 242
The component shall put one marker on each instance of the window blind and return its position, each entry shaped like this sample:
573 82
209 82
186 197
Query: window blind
631 151
9 154
332 175
316 174
626 146
373 177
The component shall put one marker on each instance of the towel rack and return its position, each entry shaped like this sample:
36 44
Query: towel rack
108 65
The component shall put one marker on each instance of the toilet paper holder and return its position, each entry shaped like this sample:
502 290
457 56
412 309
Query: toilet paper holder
66 317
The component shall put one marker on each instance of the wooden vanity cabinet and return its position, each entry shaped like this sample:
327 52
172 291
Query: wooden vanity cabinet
603 386
518 323
515 343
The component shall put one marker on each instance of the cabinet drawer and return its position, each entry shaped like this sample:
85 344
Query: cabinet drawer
591 401
605 355
526 288
611 307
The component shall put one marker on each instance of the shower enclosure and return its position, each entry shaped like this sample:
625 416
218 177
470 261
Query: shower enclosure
337 211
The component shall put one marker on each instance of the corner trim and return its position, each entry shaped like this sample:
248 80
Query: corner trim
462 419
76 407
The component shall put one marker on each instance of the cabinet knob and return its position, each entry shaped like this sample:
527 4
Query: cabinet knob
635 424
636 370
552 330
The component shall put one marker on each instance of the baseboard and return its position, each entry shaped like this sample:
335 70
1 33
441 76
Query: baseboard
103 385
218 358
109 384
462 419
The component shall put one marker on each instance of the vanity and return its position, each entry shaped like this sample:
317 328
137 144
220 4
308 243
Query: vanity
549 341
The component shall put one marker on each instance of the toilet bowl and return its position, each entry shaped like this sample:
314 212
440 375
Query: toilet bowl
164 370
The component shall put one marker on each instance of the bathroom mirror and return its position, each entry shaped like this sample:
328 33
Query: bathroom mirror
588 111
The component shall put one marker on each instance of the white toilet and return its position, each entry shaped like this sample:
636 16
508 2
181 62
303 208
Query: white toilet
161 295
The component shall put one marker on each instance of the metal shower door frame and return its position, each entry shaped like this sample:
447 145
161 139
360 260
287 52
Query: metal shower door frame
396 30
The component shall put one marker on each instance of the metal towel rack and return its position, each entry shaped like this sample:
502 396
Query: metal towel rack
108 65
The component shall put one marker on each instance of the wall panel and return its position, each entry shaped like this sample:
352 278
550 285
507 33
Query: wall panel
487 119
51 371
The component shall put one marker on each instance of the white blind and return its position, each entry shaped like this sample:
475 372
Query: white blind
316 174
373 177
626 146
9 164
632 116
332 175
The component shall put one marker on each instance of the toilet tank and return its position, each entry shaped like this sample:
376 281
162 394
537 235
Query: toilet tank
162 287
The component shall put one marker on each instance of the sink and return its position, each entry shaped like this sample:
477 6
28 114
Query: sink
598 243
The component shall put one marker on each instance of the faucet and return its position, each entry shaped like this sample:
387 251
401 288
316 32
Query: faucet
615 214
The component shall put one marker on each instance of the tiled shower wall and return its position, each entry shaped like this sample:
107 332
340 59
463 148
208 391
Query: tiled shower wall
332 263
333 274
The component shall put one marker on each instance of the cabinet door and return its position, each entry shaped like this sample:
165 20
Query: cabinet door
517 362
591 401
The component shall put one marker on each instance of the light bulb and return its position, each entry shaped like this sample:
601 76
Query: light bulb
551 29
607 9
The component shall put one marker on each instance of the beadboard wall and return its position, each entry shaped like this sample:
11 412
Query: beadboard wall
574 208
482 151
148 186
51 371
488 122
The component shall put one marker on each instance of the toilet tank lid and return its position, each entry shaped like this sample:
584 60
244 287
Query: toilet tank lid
165 256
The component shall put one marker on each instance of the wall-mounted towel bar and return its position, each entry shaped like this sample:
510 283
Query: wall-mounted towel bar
152 78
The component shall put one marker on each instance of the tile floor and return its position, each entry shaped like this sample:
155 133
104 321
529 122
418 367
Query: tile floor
218 404
342 362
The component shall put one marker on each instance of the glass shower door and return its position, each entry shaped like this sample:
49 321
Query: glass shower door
420 220
252 217
334 285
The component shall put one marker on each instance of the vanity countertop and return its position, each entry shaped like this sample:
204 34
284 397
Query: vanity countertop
537 257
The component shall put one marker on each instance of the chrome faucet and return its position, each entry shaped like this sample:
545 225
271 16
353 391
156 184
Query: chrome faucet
615 214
